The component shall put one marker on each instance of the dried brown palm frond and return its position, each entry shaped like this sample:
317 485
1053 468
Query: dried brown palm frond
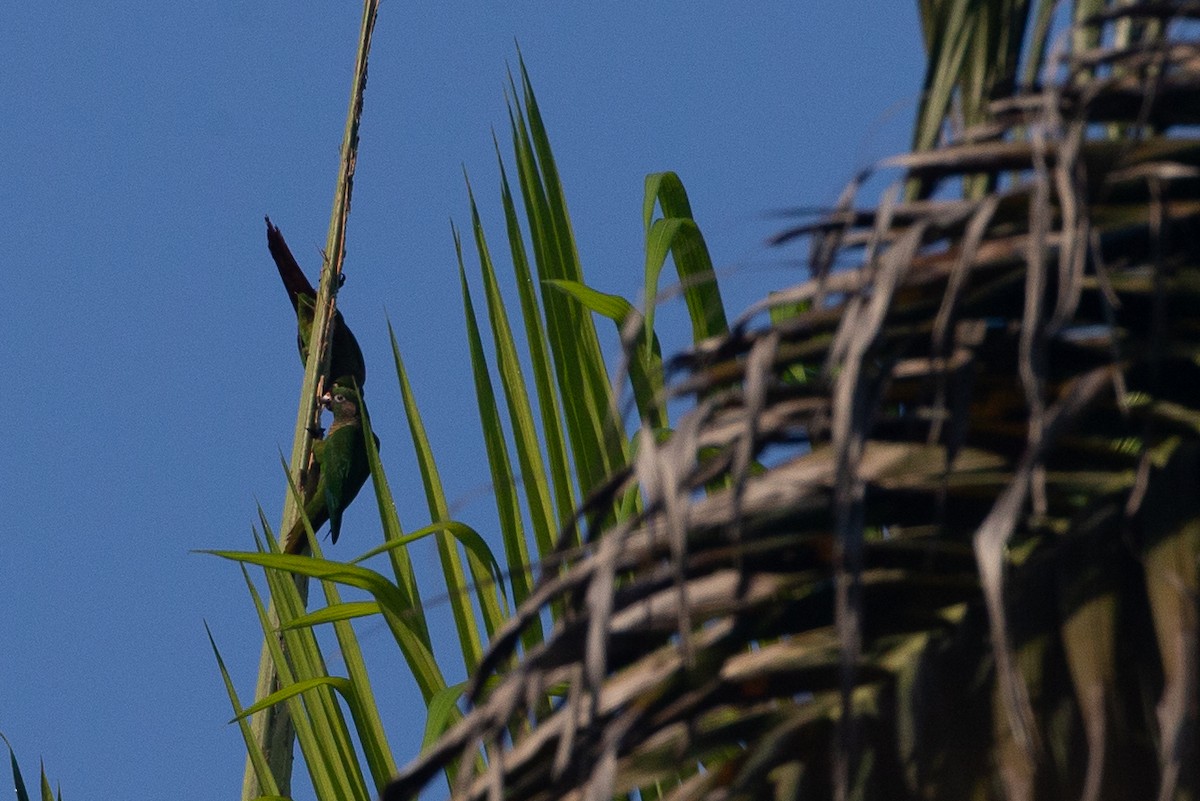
961 562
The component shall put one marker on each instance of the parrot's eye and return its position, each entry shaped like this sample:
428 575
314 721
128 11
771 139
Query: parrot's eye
340 398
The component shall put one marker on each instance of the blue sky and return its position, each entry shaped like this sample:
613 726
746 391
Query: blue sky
150 348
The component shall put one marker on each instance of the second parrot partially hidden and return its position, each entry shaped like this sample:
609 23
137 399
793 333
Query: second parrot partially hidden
342 464
346 357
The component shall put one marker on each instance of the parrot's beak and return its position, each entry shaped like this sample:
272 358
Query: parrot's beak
327 400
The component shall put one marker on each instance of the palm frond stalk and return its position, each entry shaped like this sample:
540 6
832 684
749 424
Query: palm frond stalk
970 567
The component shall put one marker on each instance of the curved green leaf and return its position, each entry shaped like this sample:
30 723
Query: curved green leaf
443 709
475 545
18 781
504 483
393 532
614 307
453 571
342 685
646 367
258 761
392 605
330 614
588 402
538 480
677 233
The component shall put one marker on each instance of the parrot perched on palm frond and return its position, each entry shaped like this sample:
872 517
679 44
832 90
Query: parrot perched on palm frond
341 464
346 357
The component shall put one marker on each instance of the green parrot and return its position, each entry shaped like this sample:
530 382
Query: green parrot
346 357
341 464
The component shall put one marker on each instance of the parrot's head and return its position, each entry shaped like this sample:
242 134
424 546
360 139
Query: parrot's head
343 399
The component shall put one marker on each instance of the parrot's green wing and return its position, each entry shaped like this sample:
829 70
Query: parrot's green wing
343 455
341 462
306 312
315 509
344 470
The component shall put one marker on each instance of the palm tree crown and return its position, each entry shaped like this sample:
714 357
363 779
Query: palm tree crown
955 556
